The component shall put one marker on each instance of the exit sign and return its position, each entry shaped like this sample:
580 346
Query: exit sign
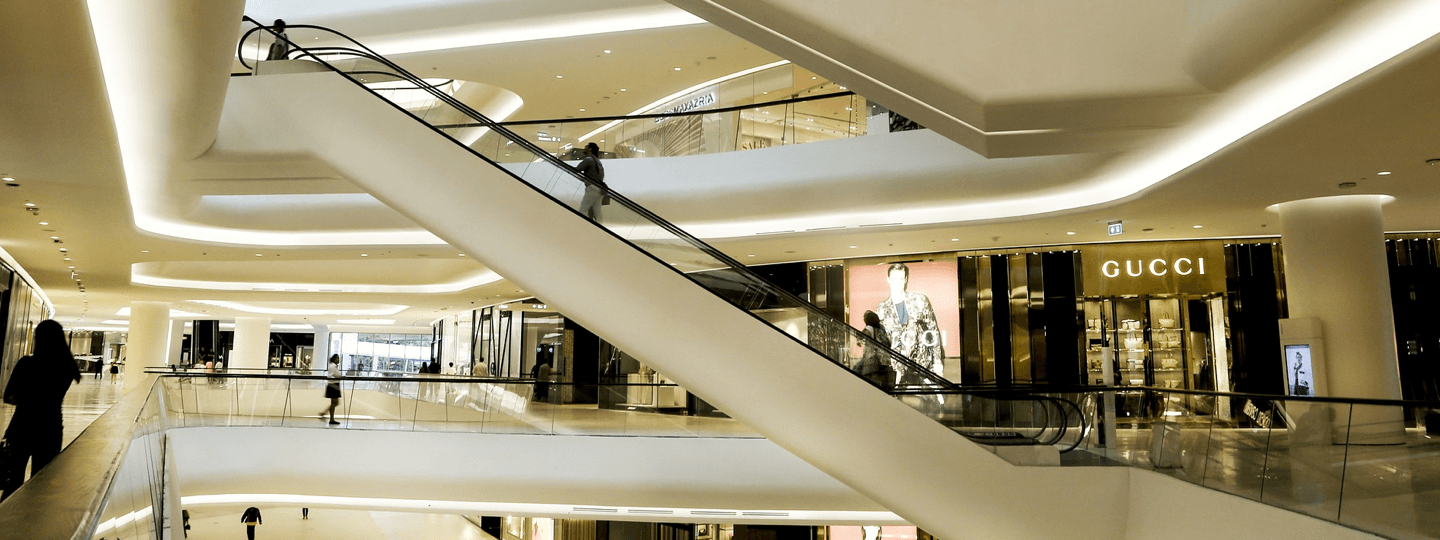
1116 228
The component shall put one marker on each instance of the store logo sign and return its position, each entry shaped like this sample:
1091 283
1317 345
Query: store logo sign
1193 267
1182 266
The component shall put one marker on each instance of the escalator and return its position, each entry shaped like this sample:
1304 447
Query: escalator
634 280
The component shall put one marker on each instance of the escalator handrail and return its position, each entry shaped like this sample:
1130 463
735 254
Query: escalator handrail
719 256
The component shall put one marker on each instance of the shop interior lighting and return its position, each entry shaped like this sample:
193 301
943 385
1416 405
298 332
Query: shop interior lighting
1384 173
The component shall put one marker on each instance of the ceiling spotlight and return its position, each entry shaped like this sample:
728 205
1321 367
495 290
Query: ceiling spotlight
622 89
364 254
67 259
677 69
44 222
582 109
462 254
1071 233
70 267
954 239
63 250
1384 173
559 76
144 251
54 237
29 205
853 247
1199 226
607 51
751 255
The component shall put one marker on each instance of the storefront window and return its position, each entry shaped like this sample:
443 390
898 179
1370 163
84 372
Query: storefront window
384 353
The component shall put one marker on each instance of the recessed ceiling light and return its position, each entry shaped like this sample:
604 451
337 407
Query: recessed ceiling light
853 247
677 69
67 259
582 109
751 255
1071 233
607 51
462 254
812 78
364 254
1384 173
144 251
622 89
1199 226
63 250
70 267
54 237
954 239
44 222
30 204
559 76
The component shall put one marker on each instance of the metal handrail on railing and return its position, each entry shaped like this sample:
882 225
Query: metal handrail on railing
748 279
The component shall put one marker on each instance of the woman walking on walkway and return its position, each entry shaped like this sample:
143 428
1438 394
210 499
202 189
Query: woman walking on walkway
37 387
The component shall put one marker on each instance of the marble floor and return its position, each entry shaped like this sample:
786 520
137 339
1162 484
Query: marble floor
85 402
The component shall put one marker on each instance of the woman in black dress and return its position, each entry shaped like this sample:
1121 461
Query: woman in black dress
37 387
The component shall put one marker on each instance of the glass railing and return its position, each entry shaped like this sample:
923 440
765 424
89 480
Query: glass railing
419 403
729 129
1366 464
627 220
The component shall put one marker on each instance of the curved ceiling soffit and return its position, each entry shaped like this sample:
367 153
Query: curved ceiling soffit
158 274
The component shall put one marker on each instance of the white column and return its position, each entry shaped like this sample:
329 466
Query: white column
177 340
322 347
1336 272
148 339
252 343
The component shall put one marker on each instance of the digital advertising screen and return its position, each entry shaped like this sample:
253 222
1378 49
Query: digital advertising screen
1299 371
918 304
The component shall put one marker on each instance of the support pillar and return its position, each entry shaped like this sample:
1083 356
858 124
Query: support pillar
1336 273
177 341
322 347
148 339
252 343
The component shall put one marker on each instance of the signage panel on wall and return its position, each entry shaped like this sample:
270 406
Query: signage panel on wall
1153 268
901 301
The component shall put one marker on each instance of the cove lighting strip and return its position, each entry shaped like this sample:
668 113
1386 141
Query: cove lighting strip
482 278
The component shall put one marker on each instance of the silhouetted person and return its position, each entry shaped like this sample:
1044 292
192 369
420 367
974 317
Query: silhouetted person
281 46
37 387
251 518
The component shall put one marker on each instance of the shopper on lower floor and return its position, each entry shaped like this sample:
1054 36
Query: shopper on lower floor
37 387
251 518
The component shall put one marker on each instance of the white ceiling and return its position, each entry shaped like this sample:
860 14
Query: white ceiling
57 138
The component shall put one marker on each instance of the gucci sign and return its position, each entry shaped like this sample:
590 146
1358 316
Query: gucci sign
1194 267
1183 266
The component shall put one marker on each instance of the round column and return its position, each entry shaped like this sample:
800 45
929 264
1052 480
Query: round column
322 347
1336 272
147 342
252 343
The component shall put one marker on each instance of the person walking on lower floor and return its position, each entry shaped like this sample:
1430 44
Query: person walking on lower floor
251 518
37 387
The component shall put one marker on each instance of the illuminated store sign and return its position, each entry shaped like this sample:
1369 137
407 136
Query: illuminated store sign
1154 268
705 100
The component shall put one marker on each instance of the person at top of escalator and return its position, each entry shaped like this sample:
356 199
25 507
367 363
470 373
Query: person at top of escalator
281 46
594 174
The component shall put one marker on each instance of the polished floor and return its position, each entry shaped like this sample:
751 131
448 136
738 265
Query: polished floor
223 523
85 402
